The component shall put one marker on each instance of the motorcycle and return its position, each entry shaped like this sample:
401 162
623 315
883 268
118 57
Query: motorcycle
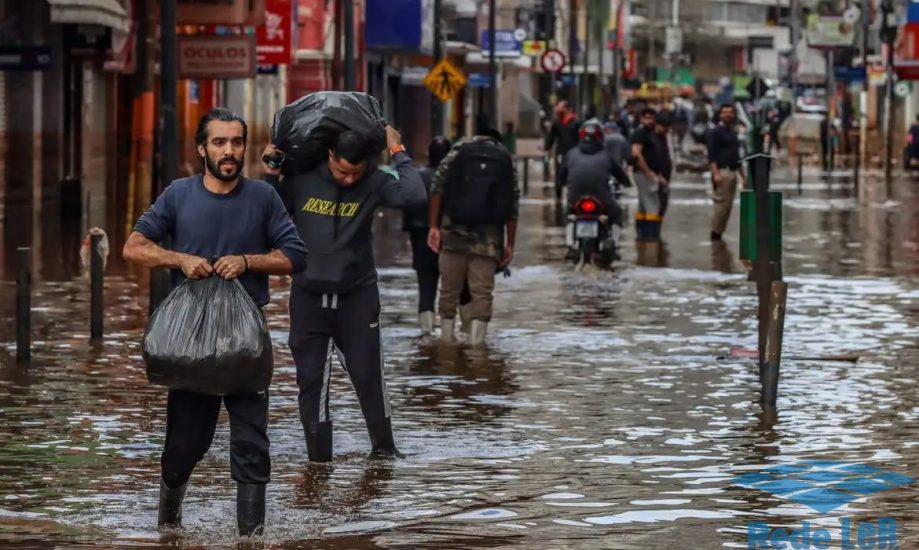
591 236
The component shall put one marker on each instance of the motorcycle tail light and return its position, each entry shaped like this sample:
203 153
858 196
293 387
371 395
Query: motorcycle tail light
588 206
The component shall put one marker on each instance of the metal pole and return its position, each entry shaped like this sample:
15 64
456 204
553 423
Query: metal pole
617 71
350 76
888 115
830 105
762 266
24 305
526 176
168 94
96 283
167 142
793 58
866 86
572 43
775 335
584 92
437 109
493 63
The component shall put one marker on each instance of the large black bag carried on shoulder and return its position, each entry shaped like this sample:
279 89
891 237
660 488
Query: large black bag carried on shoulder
306 129
480 186
208 336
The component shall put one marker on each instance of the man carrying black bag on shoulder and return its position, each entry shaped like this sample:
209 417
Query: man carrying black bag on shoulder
335 303
219 214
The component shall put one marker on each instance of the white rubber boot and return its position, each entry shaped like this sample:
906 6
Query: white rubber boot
447 330
426 322
466 321
477 332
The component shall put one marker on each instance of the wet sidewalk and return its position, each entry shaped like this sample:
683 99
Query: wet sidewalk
607 412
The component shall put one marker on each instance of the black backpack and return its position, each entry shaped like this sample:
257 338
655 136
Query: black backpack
480 187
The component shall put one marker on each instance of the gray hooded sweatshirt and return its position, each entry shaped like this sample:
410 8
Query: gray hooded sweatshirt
335 222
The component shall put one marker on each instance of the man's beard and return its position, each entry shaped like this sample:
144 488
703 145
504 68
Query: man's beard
214 168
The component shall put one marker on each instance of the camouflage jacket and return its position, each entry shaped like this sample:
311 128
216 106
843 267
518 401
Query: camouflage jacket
481 241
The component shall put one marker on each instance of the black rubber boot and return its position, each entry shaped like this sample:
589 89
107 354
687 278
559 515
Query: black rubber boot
319 441
170 510
250 509
381 440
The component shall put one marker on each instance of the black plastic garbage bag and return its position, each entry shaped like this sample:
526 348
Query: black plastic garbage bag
208 336
306 129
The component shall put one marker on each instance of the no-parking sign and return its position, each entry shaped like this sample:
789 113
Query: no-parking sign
553 61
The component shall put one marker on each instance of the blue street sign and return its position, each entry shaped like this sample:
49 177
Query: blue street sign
912 12
27 58
569 79
507 43
849 74
479 80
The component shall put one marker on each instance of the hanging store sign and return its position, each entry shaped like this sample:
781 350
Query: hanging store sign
274 38
219 57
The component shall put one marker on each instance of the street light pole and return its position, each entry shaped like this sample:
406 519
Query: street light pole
437 110
493 63
350 81
167 142
889 36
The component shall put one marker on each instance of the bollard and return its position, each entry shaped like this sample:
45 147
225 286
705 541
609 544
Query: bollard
800 172
774 337
96 282
526 176
24 305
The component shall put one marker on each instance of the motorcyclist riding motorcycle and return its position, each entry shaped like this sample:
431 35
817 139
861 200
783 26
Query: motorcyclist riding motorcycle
587 172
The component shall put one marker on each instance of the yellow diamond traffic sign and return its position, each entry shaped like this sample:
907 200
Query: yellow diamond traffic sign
445 80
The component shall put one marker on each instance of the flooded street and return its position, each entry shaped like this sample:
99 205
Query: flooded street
607 412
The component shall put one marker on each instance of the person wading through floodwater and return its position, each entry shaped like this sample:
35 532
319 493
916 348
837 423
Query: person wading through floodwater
244 224
726 167
335 303
563 136
473 219
649 165
424 260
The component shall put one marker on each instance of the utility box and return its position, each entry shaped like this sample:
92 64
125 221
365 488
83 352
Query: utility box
748 246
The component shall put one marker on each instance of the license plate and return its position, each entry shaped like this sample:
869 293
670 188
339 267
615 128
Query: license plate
590 230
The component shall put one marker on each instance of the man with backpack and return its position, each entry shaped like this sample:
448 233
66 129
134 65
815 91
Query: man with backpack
473 218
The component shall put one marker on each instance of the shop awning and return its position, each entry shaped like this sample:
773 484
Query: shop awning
108 13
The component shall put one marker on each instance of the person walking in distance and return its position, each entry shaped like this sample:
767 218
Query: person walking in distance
473 218
218 214
662 126
335 302
563 136
424 260
726 168
649 164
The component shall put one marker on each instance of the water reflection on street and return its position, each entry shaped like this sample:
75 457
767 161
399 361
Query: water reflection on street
608 411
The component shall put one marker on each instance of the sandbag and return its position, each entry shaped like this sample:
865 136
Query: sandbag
306 129
208 336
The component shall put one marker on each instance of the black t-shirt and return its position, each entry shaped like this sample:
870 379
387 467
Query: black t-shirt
650 149
724 147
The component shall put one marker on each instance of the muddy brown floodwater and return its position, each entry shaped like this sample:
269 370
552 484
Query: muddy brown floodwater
607 412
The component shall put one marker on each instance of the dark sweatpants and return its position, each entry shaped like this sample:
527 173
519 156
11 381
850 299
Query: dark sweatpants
349 326
191 419
424 262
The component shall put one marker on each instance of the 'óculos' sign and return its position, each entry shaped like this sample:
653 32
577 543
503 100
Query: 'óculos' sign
211 56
